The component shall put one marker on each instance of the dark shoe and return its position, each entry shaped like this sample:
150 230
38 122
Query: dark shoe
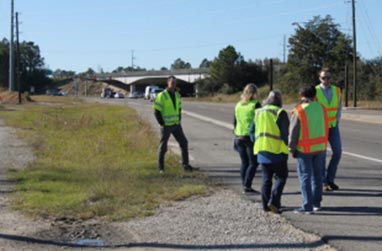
248 190
333 186
326 188
302 211
274 209
189 168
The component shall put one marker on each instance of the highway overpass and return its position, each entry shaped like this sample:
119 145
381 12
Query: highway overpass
186 77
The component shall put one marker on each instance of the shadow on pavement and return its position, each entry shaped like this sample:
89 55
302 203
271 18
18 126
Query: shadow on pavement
32 240
352 211
327 238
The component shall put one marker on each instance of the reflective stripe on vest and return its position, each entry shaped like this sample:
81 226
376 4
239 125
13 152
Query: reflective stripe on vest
332 107
313 129
164 104
244 114
267 132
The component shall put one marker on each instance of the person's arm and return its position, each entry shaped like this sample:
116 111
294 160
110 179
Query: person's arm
283 124
158 116
252 132
294 133
339 112
158 106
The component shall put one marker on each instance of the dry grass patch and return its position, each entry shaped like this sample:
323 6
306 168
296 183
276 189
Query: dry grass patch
94 161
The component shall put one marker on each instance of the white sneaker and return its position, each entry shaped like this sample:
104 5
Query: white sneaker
315 209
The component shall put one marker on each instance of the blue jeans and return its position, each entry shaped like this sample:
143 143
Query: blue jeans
309 169
248 161
271 195
329 175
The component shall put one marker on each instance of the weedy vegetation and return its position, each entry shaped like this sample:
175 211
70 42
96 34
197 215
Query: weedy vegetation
93 161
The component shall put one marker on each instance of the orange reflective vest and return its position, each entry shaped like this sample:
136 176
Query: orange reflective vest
314 130
332 107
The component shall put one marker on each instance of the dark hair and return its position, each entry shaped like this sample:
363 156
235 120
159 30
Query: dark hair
308 91
171 77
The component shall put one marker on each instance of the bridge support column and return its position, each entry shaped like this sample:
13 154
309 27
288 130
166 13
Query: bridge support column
132 88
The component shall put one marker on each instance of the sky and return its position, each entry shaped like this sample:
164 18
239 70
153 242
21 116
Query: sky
103 34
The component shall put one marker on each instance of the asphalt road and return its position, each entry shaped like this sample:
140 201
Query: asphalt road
351 217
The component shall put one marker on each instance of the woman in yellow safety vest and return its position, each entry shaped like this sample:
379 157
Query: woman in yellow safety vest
308 138
270 134
244 115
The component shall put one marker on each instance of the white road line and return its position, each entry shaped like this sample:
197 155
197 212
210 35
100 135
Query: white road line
207 119
230 127
362 157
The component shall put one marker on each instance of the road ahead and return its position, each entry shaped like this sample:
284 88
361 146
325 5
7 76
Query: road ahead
351 217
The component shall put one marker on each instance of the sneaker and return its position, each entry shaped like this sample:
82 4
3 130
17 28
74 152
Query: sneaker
333 186
189 168
273 209
315 209
326 188
302 211
161 171
247 190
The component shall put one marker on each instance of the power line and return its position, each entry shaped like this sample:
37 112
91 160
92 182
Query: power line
370 28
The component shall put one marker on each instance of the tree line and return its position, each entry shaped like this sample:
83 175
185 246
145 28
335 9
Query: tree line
315 44
32 69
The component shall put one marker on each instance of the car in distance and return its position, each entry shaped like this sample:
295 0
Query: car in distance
148 91
154 93
119 95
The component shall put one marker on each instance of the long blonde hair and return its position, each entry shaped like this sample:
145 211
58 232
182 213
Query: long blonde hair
249 92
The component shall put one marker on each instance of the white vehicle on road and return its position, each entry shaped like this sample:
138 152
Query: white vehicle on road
148 91
154 92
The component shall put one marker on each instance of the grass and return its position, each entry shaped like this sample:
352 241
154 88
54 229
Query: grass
93 161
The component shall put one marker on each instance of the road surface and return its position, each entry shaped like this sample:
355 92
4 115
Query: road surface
351 217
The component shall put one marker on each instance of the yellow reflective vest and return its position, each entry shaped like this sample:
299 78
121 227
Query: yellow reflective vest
267 133
314 130
164 104
332 107
244 114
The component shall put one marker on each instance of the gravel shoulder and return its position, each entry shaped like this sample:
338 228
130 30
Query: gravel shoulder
223 220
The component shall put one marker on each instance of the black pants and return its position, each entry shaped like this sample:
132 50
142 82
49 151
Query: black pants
177 132
269 194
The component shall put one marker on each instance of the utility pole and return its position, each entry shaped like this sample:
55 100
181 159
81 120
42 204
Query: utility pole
284 49
346 84
132 59
18 57
354 57
271 74
11 56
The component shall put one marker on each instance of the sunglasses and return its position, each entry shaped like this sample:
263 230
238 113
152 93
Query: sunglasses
326 78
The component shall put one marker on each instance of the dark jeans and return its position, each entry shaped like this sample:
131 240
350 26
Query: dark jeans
329 175
271 195
248 161
177 132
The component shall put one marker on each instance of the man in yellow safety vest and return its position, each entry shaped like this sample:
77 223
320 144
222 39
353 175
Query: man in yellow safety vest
167 110
330 97
308 138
